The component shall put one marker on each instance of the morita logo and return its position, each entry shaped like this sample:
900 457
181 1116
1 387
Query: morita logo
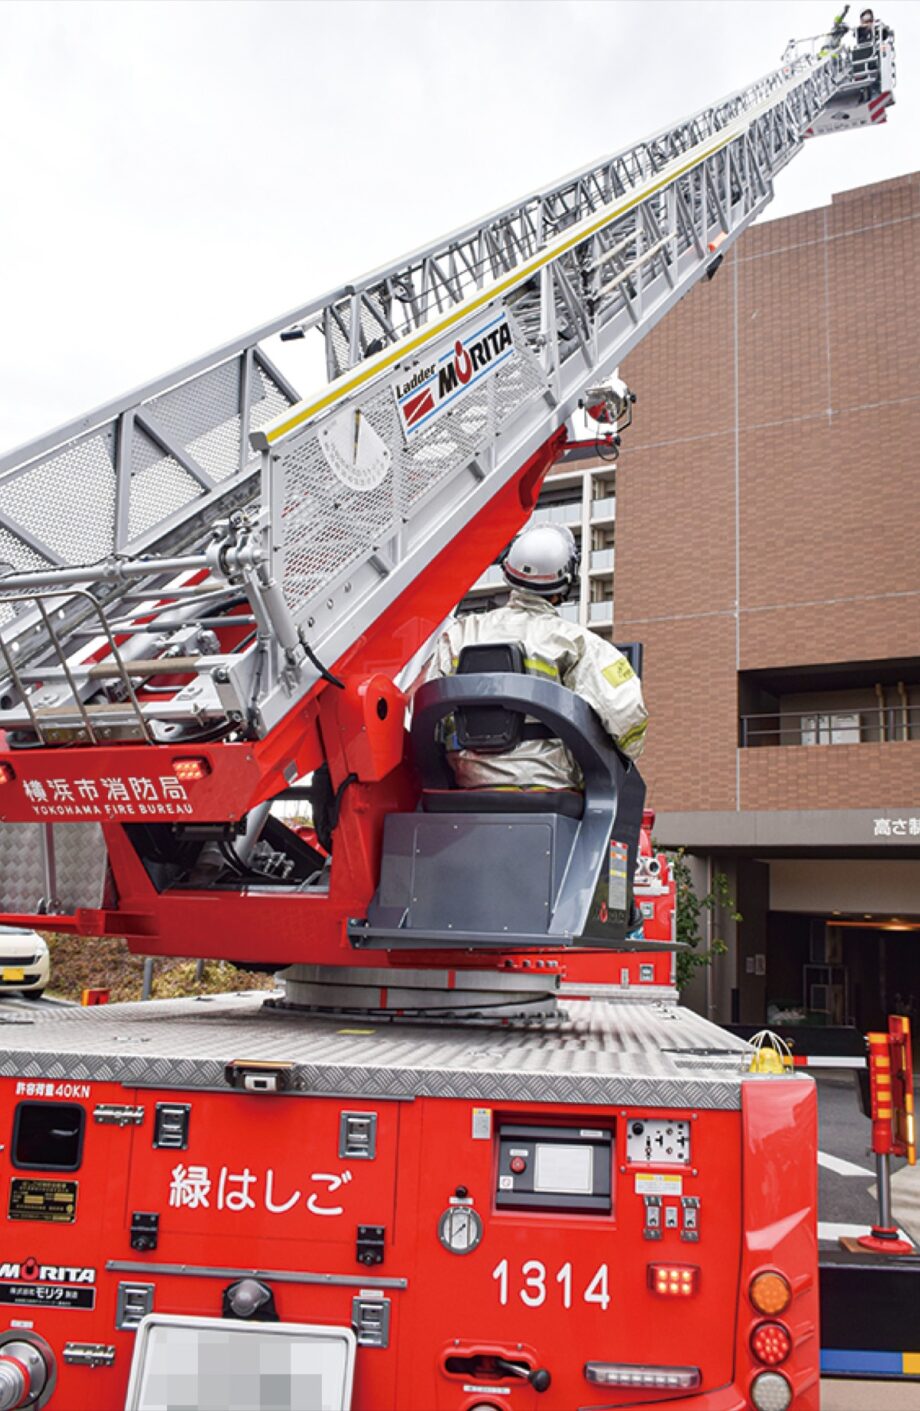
432 390
417 379
469 358
30 1269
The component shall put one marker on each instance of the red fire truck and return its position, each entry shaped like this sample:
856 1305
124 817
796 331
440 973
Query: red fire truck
411 1178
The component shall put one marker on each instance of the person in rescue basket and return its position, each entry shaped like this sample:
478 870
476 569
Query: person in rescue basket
541 567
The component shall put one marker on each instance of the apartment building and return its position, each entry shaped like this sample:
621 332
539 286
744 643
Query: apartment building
579 492
768 557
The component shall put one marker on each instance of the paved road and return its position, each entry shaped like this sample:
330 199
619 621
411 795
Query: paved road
846 1174
840 1395
20 1003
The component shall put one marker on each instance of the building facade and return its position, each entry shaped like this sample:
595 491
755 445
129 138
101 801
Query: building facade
579 492
768 557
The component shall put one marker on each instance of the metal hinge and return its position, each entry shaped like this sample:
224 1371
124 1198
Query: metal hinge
117 1114
89 1354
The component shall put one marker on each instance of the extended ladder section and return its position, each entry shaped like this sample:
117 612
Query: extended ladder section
179 563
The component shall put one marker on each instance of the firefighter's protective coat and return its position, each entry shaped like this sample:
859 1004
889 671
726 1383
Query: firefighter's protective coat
561 651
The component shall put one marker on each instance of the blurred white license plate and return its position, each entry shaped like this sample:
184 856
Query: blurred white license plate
213 1364
11 975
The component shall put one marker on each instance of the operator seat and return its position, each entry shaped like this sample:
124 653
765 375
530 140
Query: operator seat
506 869
497 729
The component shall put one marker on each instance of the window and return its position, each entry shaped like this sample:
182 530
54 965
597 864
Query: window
48 1136
831 729
835 703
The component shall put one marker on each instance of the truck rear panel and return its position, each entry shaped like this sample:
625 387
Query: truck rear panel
482 1205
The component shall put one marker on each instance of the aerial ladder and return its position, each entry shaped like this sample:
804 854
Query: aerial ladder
216 588
212 585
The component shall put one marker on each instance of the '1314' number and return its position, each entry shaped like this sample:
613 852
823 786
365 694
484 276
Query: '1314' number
533 1290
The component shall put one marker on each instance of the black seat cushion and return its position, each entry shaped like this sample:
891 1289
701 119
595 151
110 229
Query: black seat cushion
565 801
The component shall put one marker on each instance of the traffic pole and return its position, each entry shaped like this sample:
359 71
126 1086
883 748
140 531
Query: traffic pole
891 1094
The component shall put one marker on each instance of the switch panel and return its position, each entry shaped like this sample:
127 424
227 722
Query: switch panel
658 1141
690 1205
554 1168
652 1229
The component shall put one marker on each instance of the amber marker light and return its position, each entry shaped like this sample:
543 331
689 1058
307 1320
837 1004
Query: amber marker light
673 1280
771 1344
770 1292
7 773
192 767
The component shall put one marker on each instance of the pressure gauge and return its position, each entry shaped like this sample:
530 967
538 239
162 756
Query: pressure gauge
460 1229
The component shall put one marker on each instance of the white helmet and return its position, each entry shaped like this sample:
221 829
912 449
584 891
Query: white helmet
543 559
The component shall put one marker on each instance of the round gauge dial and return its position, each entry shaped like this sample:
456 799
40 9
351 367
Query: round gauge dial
460 1229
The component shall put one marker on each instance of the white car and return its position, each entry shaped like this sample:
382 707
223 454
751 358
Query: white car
25 965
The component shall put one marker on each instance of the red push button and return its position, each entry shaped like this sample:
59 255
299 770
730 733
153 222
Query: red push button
518 1164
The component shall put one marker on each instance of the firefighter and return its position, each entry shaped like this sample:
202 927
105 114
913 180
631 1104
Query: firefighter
869 28
836 36
541 568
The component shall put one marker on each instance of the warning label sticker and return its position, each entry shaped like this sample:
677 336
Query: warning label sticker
616 885
54 1201
47 1296
659 1185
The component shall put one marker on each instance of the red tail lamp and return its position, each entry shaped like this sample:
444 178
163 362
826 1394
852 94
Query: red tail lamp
674 1280
771 1344
191 767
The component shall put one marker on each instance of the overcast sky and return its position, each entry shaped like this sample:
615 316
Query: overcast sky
176 173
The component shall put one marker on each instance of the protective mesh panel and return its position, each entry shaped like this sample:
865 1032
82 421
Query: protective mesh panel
68 500
328 528
15 555
203 416
371 327
159 485
266 399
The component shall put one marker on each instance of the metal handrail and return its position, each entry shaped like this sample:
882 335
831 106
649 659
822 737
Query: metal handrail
877 724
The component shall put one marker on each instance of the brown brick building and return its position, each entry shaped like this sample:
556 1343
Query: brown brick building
768 557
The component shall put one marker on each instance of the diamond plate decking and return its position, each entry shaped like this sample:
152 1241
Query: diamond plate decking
595 1053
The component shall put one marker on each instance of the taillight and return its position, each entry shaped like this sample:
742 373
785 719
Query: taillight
770 1292
771 1344
191 767
7 773
673 1280
771 1392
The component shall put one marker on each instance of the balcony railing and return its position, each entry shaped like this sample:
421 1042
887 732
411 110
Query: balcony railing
491 579
602 561
831 727
569 514
604 509
600 612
